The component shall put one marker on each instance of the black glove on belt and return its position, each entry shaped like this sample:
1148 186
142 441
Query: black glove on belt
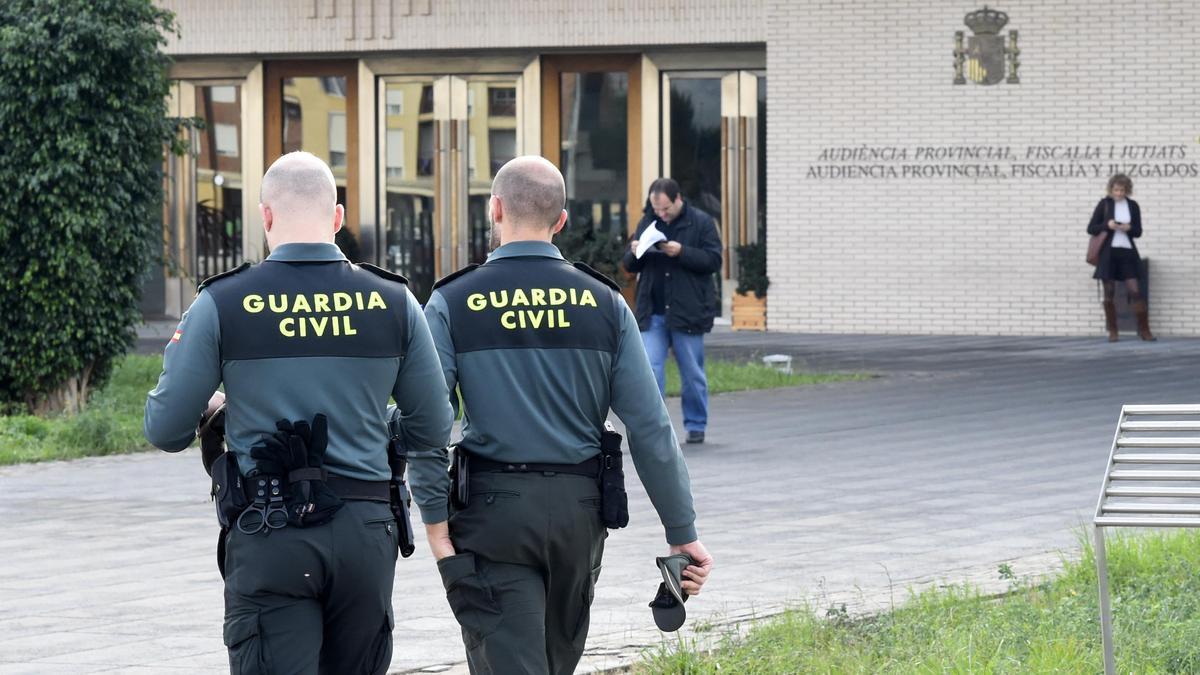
296 454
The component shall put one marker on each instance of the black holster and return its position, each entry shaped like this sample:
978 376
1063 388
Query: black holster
227 491
460 478
229 497
614 502
400 498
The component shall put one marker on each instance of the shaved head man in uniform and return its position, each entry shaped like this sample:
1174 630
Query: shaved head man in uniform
309 346
540 351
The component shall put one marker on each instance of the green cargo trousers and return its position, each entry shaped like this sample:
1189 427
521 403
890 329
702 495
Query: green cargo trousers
521 586
314 600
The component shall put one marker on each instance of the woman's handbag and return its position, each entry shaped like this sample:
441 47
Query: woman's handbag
1095 243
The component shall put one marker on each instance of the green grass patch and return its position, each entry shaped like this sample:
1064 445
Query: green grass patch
729 376
1048 627
111 424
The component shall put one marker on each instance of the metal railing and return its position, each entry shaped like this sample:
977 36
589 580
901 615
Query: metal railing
1152 480
218 240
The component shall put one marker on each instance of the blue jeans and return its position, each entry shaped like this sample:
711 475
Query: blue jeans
689 354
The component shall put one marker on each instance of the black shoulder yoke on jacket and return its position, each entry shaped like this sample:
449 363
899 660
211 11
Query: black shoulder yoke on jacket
228 273
607 282
454 275
380 272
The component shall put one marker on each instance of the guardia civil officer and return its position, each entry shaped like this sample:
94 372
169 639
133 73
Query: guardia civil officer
539 350
305 334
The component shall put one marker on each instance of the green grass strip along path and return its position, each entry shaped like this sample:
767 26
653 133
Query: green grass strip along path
1049 627
112 423
730 376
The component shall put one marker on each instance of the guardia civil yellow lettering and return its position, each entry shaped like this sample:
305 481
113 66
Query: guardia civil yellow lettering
533 318
319 310
553 300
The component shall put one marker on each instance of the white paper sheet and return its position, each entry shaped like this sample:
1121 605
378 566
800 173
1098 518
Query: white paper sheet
650 236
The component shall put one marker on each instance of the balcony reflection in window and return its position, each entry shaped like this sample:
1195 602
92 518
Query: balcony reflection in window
218 213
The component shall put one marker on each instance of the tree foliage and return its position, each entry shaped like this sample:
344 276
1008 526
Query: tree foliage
83 124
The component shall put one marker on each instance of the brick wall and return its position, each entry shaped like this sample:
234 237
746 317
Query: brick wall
290 27
973 255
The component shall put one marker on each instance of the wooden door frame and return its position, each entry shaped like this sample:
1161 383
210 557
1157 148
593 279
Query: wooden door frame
553 66
275 72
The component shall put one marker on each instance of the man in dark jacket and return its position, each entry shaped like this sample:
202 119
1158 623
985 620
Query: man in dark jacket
676 294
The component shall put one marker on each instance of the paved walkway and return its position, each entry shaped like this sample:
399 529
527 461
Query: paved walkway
967 452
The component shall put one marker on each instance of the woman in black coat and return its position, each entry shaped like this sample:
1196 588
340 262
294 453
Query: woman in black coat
1121 218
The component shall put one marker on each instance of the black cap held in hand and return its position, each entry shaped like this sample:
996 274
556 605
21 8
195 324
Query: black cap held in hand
667 605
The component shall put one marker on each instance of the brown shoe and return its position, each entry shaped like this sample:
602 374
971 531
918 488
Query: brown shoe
1143 321
1110 320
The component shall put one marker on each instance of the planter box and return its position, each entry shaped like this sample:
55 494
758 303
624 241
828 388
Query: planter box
749 312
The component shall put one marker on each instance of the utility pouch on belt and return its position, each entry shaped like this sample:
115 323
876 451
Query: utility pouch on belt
400 499
614 503
294 457
460 477
227 490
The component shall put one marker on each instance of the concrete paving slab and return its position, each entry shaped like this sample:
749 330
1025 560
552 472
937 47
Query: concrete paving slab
965 453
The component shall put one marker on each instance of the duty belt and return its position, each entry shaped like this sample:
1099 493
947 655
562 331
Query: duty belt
588 467
346 488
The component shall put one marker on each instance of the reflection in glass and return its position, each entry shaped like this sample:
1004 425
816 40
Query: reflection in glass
395 102
492 134
425 148
696 141
293 129
413 212
337 139
503 144
696 147
314 120
502 102
762 158
334 86
594 149
408 184
218 216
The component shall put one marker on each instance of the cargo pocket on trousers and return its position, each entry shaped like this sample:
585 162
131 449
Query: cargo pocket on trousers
471 598
243 637
382 649
585 612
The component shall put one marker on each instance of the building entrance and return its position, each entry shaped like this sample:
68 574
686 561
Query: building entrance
441 141
313 106
714 145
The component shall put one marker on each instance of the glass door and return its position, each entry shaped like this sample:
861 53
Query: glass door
217 212
313 106
591 129
714 145
203 210
441 141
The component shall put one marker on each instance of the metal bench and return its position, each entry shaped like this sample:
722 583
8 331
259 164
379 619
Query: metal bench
1152 480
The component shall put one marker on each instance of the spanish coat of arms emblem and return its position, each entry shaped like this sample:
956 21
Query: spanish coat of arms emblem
983 59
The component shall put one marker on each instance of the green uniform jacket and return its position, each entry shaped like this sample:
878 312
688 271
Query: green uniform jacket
549 404
287 371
